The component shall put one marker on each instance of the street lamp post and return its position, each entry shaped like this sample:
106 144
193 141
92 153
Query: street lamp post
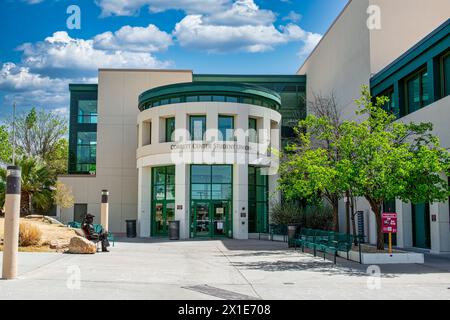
12 217
104 210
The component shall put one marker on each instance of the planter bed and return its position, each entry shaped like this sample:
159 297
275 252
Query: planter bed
370 255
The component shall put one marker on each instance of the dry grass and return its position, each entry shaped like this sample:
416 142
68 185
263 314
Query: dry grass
49 233
29 235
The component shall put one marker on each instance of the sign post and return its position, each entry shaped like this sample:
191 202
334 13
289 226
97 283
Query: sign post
389 222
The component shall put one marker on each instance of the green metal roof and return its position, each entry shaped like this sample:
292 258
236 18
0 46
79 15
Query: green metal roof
83 87
209 88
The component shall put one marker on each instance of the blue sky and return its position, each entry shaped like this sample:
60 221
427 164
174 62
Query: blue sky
40 55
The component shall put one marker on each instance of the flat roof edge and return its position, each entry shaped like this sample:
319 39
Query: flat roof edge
143 70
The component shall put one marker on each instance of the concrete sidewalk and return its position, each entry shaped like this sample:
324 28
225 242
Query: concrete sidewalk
217 269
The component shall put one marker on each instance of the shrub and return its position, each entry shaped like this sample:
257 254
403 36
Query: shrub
29 235
319 217
287 213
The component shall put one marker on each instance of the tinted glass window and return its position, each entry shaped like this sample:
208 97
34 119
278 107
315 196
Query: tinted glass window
252 130
226 128
170 129
197 127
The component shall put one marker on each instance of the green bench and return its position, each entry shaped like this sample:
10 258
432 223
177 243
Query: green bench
97 227
324 241
279 230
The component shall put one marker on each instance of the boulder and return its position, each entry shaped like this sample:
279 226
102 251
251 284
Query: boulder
59 245
79 232
54 221
80 245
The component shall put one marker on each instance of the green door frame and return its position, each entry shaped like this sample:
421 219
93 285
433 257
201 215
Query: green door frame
165 227
211 219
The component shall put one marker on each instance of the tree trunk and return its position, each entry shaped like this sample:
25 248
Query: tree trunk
380 236
336 215
347 211
353 214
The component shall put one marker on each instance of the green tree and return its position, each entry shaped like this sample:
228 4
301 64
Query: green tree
5 145
57 160
384 159
64 198
39 133
308 170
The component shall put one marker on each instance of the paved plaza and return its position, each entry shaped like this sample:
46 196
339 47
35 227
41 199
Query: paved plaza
218 269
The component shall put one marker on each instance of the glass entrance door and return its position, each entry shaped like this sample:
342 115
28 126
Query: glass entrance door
164 212
220 218
210 219
201 221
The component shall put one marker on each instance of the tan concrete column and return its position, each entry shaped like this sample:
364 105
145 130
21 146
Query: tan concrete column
12 219
104 210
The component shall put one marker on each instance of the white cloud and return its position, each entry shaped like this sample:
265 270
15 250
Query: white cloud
132 7
33 1
310 42
48 66
60 55
13 77
136 39
242 12
192 32
292 16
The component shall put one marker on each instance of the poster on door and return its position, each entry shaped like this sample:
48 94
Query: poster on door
389 222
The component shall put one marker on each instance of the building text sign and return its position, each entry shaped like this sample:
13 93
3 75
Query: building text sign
389 222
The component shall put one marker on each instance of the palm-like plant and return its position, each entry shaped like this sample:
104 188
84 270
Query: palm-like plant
37 181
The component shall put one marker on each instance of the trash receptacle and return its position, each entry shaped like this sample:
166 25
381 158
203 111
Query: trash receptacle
131 228
292 230
174 230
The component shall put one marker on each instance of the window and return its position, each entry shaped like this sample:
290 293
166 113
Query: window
204 98
417 91
391 106
226 128
86 152
252 130
445 74
87 111
197 127
164 183
175 100
191 98
258 190
211 182
170 129
232 99
218 98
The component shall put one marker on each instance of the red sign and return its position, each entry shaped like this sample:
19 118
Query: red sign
389 222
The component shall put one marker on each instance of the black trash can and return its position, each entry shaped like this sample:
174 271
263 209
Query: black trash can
131 228
174 230
291 232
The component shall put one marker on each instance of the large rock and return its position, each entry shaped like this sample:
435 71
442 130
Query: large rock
80 245
59 245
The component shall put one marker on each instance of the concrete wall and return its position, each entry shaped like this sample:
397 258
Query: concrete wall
117 142
403 24
341 61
